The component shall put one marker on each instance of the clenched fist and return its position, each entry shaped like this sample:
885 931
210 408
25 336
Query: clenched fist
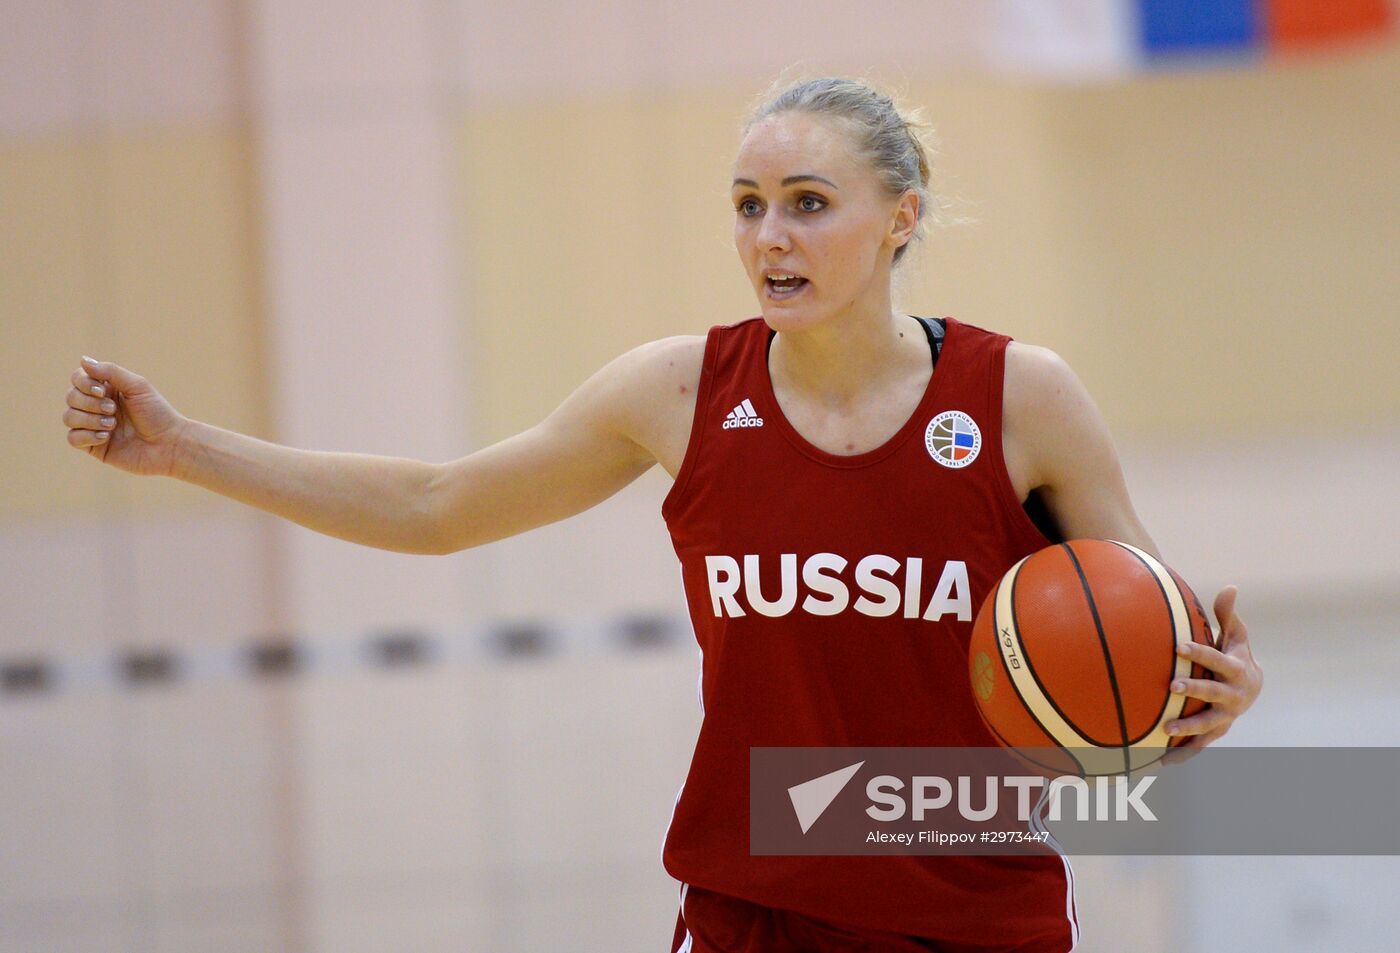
119 418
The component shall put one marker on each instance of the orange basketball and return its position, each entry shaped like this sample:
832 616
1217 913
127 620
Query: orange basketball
1075 650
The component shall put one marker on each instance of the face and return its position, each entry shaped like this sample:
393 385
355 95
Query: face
813 225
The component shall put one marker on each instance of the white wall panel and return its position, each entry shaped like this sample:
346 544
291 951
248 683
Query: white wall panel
65 835
600 906
436 913
541 48
40 45
160 61
308 52
229 922
161 581
205 783
1295 516
392 782
56 588
74 65
76 929
615 559
353 155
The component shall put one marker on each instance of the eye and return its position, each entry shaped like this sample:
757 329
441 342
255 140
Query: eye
811 203
748 208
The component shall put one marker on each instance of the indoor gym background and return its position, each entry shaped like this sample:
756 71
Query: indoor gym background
411 229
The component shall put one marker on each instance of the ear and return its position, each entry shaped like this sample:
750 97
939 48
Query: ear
905 220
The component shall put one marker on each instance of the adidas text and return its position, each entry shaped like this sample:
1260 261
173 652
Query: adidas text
743 415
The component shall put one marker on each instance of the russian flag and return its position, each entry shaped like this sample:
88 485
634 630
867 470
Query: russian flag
1107 37
1254 27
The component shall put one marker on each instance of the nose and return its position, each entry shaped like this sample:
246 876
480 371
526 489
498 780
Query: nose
773 232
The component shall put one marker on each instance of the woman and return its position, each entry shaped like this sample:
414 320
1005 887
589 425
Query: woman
803 440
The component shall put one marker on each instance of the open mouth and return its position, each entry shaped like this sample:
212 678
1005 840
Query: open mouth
781 286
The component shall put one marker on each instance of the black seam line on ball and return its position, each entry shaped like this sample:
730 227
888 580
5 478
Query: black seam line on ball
1045 690
1171 619
1107 658
1035 676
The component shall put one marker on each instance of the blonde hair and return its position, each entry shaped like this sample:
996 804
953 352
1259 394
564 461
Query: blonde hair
892 141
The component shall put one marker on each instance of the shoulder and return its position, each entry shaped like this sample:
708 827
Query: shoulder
1047 414
622 391
647 394
657 367
1039 384
1036 370
656 356
1057 441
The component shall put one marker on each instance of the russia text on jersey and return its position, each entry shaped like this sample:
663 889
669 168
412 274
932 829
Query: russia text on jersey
885 586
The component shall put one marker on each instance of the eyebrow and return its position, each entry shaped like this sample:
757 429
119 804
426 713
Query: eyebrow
791 180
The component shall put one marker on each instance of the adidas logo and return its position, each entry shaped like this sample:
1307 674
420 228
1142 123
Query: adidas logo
742 416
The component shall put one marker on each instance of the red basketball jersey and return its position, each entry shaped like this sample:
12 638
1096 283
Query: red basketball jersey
832 598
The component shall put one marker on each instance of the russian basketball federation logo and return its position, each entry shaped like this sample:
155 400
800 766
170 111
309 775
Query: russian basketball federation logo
952 439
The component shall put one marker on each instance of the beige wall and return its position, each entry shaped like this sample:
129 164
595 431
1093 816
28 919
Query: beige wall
1153 231
140 248
1209 250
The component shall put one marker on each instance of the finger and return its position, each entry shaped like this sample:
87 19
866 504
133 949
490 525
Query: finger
1217 661
1206 689
1182 752
1225 603
82 439
81 420
105 372
1236 640
1225 613
1197 742
84 383
93 405
1201 723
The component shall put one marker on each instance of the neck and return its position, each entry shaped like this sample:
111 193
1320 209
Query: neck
847 356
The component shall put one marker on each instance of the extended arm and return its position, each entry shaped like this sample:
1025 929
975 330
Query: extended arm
595 443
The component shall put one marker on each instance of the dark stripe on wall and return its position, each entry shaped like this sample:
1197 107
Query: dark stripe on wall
280 656
398 649
275 658
522 640
646 632
26 676
149 666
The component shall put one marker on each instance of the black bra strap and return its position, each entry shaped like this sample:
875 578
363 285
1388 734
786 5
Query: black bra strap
935 329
